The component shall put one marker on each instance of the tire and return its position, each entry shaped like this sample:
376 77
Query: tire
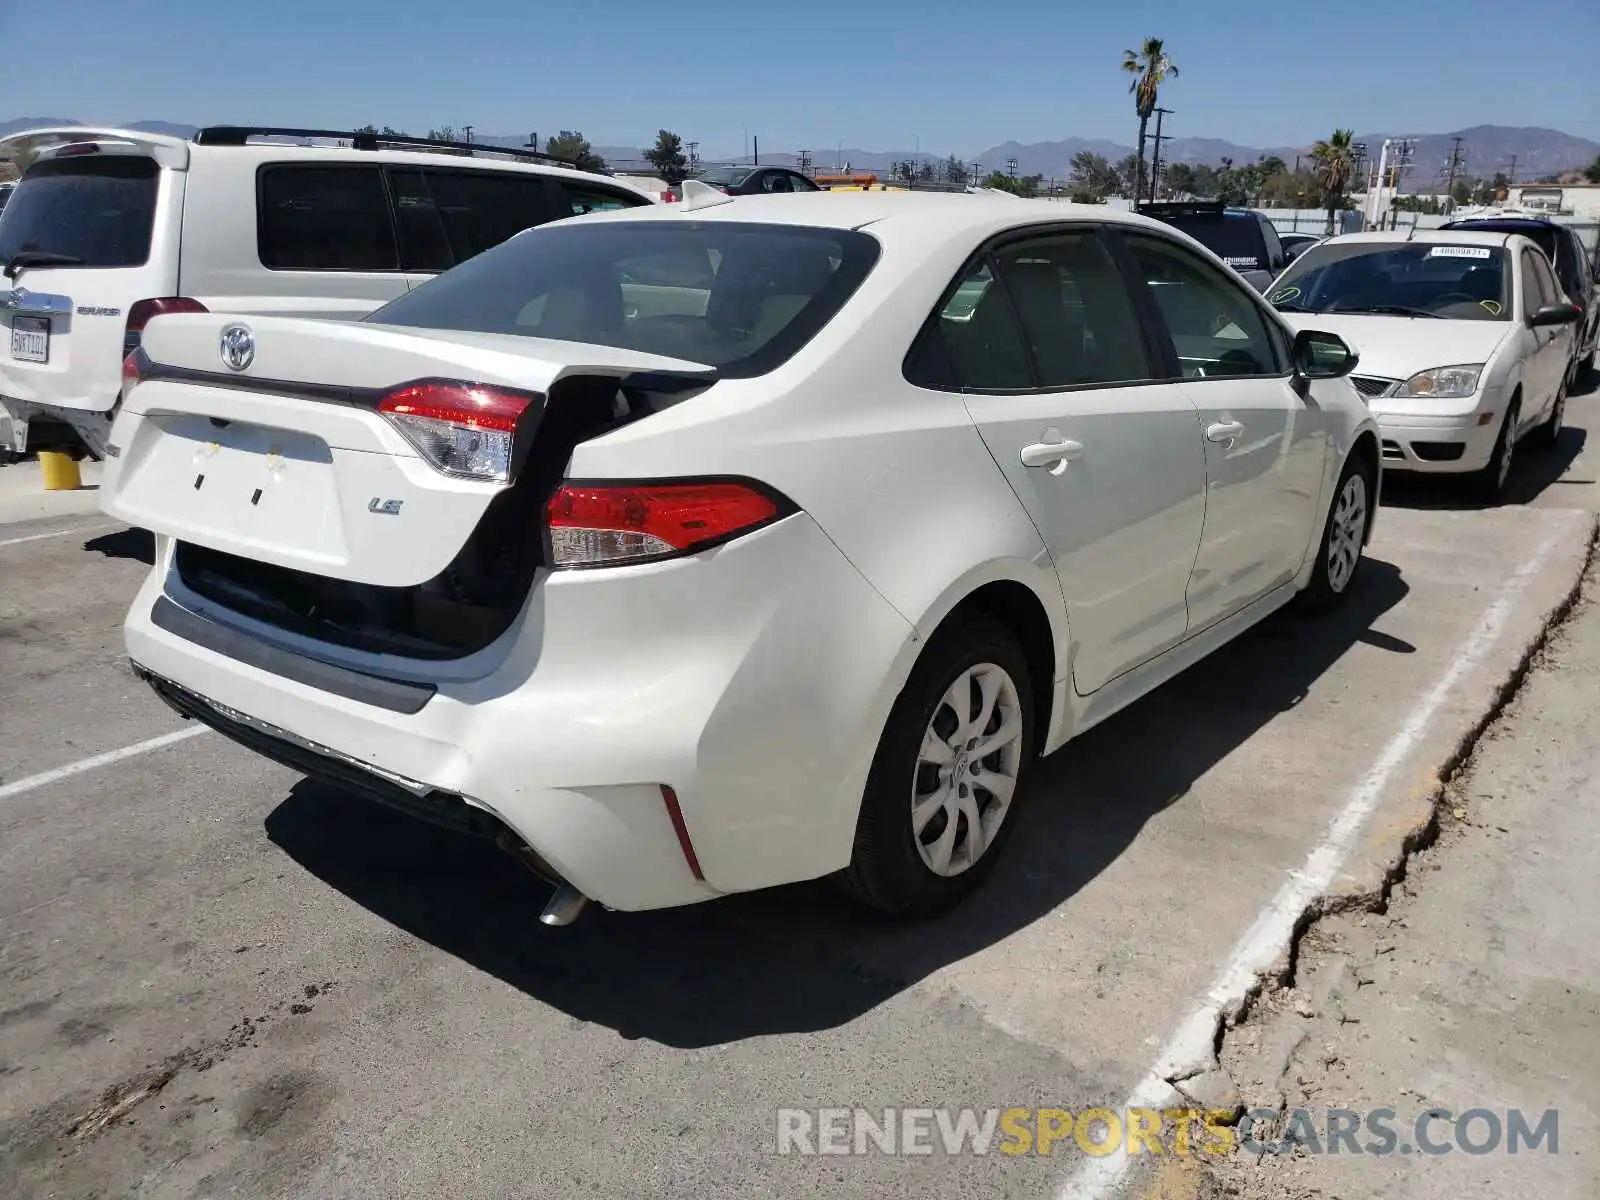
1548 433
1488 486
1344 537
893 866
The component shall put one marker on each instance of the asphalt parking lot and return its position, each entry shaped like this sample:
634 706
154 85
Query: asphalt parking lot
218 979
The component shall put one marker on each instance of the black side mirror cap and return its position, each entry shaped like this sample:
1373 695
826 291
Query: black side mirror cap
1555 314
1322 355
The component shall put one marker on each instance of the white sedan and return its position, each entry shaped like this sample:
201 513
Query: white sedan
1464 339
728 543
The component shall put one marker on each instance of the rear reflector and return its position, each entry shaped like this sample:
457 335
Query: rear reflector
143 311
461 429
675 815
596 525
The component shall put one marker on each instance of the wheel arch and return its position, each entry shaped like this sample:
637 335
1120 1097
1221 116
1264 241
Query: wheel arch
1365 449
1039 625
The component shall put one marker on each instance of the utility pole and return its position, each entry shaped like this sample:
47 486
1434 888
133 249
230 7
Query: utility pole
755 151
467 135
1452 166
694 156
805 162
1155 158
1511 178
1011 167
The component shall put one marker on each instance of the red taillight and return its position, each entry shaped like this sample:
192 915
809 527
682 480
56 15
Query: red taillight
460 428
593 525
675 815
143 311
130 371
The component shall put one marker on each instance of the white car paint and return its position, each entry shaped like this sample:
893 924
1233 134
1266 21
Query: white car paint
204 247
1519 362
756 679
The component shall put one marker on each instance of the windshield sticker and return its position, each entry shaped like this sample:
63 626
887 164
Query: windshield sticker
1492 307
1241 260
1283 294
1459 252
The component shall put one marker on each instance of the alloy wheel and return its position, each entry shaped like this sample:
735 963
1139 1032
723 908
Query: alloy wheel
1348 529
966 770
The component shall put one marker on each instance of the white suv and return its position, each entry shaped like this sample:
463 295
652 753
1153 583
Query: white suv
110 227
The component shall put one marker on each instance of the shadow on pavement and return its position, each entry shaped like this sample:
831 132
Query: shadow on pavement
137 544
801 958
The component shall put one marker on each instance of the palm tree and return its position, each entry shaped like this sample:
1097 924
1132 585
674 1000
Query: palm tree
1150 68
1335 159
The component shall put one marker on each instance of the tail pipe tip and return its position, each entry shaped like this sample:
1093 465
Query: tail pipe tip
565 906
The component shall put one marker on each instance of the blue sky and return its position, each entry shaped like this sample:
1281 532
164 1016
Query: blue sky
889 76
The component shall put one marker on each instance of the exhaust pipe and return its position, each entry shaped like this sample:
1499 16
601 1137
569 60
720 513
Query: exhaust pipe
565 906
568 902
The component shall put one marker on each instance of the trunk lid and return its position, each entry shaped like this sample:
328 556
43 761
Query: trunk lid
101 227
286 461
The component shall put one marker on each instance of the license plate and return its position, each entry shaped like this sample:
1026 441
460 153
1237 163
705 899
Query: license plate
30 339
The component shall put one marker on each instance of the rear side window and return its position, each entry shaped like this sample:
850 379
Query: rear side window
1234 238
740 298
325 219
98 209
583 200
1075 311
479 209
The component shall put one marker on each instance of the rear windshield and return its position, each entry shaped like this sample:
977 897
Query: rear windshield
97 209
1234 238
1457 281
1542 236
740 298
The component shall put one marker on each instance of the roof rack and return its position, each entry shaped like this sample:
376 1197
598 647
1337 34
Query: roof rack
239 135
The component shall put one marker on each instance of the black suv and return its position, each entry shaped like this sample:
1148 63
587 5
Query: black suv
1241 237
1574 270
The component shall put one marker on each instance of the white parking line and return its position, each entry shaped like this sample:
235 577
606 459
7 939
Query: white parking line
39 537
1193 1041
31 782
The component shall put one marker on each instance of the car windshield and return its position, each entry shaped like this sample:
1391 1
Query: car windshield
1235 238
740 298
725 176
1421 279
93 210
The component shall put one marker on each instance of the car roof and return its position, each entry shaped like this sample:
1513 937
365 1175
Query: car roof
176 152
911 214
1459 237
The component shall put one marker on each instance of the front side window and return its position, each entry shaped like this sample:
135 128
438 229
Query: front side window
736 297
1216 328
316 218
1458 281
1532 289
91 210
1075 311
776 181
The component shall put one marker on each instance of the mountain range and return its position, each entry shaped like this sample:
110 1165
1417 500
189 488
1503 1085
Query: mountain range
1485 150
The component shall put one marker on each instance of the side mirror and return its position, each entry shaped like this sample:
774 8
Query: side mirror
1322 355
1554 314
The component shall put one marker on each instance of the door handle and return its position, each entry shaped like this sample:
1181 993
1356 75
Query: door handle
1051 454
1223 431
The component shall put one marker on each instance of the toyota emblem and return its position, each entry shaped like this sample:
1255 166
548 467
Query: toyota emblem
238 347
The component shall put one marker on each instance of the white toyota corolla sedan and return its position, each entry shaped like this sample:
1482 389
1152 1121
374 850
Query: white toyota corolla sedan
1465 339
707 547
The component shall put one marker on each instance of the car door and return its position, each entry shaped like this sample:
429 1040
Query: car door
1266 444
1550 346
1042 337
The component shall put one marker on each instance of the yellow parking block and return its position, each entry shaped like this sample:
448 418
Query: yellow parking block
60 471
